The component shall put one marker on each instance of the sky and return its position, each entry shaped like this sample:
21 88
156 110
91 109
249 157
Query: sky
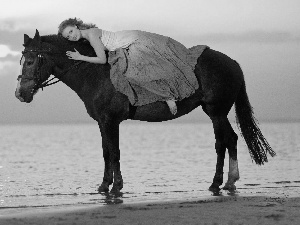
262 35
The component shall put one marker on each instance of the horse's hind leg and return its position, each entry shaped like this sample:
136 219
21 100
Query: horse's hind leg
225 138
220 150
233 174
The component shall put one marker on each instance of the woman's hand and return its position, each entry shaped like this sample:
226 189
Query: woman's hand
74 55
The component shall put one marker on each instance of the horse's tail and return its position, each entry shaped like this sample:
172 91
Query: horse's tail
257 144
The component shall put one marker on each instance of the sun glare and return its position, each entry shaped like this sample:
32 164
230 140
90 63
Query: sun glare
4 51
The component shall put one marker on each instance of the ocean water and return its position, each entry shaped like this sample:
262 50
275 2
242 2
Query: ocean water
61 165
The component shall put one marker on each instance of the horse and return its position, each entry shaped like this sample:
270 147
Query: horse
221 85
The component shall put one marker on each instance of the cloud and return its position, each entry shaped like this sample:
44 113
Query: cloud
12 39
249 37
20 8
8 59
4 65
9 67
5 51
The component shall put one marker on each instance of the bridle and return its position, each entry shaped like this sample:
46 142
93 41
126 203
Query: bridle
37 76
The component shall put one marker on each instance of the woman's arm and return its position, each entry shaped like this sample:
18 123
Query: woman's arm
94 38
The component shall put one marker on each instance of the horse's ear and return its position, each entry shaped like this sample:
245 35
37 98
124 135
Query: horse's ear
27 40
37 36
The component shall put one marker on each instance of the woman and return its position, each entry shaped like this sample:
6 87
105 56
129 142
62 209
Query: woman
158 67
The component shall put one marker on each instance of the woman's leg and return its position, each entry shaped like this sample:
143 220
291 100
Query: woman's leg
172 106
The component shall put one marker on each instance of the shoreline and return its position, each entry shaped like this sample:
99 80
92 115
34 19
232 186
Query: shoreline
215 210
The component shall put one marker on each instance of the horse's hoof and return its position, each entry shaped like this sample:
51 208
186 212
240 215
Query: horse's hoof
117 187
115 190
229 187
103 188
214 188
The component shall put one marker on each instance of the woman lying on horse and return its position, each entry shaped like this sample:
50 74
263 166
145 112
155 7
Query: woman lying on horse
159 67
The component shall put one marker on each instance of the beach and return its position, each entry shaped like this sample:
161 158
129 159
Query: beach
50 175
216 210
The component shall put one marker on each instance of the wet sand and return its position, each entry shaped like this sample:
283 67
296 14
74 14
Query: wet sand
217 210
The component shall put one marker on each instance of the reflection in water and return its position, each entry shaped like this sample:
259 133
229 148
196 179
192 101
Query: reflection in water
217 193
228 192
113 198
46 165
232 193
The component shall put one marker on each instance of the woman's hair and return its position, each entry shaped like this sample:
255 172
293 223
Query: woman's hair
74 22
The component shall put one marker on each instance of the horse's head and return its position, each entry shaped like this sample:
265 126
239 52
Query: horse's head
36 68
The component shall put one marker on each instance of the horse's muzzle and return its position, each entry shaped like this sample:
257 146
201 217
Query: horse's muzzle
18 95
22 94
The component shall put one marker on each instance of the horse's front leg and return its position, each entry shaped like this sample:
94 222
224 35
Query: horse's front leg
111 154
108 172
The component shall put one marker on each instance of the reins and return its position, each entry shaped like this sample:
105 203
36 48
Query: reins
47 82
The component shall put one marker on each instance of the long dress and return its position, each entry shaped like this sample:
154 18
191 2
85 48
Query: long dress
149 67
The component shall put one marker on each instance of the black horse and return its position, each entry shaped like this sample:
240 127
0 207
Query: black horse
221 84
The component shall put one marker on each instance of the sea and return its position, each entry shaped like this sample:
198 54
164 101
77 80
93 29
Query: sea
59 165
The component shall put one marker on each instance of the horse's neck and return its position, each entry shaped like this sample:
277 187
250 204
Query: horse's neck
84 76
70 77
84 81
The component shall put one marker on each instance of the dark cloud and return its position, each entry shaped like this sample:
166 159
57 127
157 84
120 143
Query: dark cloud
11 36
250 37
13 39
10 57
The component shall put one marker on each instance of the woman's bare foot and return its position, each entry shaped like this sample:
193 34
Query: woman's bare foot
172 106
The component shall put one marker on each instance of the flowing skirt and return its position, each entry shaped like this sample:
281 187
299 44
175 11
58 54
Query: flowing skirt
154 68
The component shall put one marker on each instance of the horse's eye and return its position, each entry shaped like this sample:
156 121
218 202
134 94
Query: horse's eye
29 62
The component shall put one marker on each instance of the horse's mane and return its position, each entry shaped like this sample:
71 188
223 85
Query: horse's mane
61 44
